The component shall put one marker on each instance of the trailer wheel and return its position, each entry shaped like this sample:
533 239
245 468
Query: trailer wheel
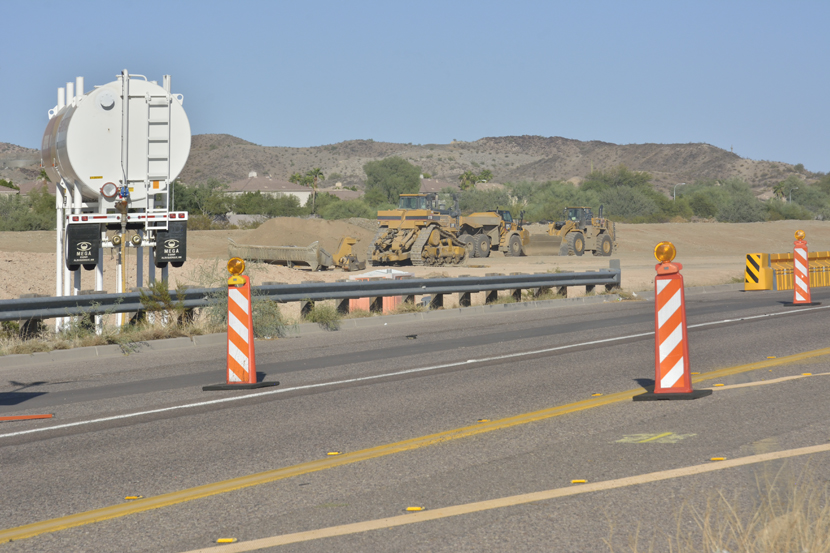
482 245
469 244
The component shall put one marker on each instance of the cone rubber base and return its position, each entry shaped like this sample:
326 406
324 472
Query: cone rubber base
793 304
245 386
651 396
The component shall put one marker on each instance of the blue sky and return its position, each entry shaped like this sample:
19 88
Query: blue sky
751 76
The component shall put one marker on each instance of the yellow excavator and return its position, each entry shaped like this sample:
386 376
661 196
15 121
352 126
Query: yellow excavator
419 231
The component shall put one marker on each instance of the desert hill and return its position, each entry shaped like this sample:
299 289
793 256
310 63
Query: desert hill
510 158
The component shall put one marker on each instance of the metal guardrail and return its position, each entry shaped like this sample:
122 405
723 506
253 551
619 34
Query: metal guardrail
100 304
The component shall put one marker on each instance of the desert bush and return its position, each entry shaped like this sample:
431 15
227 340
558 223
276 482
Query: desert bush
778 210
392 176
21 213
256 203
325 315
346 209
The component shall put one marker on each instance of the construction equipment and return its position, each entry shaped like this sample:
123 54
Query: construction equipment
578 233
485 231
345 258
313 256
420 232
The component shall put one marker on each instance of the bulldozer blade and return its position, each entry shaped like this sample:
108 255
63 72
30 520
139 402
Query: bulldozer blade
313 256
354 265
542 245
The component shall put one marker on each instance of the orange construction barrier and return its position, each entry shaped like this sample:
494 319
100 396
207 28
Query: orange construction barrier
241 372
672 376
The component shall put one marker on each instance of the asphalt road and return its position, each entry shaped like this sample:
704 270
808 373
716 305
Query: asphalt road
141 425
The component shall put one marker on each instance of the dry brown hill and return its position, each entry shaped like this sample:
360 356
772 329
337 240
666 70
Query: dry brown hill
510 158
18 164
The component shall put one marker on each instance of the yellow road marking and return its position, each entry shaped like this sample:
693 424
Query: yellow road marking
189 494
657 437
509 501
773 381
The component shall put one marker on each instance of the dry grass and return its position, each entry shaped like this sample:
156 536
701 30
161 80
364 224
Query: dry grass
81 334
789 514
410 307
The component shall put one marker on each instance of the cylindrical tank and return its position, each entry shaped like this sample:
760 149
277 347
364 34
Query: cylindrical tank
83 140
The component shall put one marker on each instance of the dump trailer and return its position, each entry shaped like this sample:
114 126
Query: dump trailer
418 232
579 232
313 256
487 231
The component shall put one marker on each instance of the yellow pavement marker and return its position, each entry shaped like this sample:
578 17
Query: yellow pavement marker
509 501
224 486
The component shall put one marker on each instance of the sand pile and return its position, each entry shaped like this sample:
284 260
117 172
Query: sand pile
293 231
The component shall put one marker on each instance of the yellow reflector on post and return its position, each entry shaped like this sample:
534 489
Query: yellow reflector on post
799 234
665 252
236 266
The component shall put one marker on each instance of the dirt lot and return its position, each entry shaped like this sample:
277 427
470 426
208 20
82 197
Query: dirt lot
711 253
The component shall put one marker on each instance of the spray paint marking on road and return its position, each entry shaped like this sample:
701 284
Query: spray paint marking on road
384 375
207 490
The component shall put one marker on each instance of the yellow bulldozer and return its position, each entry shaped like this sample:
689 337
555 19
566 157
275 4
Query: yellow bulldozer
579 232
486 231
420 232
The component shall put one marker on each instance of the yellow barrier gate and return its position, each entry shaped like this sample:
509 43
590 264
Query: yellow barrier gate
774 271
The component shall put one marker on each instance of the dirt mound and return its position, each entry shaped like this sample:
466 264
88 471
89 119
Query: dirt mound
292 231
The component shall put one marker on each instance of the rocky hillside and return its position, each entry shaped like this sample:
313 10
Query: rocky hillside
18 164
510 158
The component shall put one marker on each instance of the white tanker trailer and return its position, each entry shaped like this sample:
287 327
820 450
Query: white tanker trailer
113 154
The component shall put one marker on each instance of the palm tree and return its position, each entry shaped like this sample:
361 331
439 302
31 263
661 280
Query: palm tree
779 190
468 180
311 179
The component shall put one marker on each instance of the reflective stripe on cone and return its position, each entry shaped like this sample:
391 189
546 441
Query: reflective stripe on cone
671 348
241 360
801 271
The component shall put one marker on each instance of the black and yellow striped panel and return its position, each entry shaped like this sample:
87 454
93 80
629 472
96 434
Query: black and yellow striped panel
753 268
758 275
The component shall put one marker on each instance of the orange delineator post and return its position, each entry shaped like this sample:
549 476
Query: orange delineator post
671 348
241 359
801 270
672 376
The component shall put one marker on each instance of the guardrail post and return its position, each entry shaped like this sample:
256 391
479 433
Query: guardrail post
613 264
306 306
343 305
516 292
464 298
562 291
542 290
31 328
589 287
492 295
436 301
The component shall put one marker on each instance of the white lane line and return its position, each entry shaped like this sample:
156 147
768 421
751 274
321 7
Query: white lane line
376 377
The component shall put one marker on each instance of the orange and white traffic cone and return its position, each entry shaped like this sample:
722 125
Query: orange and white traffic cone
241 371
801 272
672 376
